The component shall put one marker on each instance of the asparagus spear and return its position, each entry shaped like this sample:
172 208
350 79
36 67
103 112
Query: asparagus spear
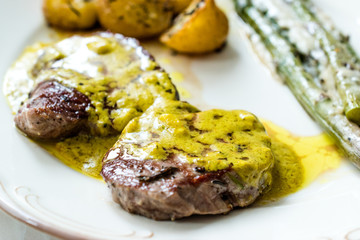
316 102
339 36
342 60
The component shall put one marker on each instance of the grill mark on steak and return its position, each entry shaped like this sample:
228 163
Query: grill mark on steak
163 173
53 111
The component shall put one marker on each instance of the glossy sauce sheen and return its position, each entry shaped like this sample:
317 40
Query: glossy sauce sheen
298 161
119 78
213 140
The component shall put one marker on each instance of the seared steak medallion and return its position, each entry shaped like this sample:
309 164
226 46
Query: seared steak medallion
171 160
174 162
118 79
53 111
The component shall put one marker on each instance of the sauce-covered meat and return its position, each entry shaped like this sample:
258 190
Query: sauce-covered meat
174 162
171 160
119 78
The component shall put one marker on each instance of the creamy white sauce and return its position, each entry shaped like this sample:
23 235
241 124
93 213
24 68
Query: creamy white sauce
302 36
349 74
319 55
18 81
327 74
298 33
326 22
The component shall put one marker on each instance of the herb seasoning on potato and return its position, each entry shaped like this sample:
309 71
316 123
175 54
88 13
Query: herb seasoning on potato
136 18
70 14
201 28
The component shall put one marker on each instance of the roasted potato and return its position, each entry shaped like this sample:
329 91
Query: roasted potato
180 5
70 14
135 18
201 28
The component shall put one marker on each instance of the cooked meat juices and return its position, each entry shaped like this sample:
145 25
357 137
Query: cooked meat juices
172 163
171 160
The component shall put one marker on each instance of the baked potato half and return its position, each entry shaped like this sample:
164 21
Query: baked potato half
135 18
70 14
201 28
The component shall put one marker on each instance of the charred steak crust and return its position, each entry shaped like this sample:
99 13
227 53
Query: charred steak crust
164 190
52 111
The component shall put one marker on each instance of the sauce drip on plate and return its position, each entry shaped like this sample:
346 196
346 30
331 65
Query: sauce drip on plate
298 160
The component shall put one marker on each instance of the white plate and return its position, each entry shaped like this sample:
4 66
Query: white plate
39 190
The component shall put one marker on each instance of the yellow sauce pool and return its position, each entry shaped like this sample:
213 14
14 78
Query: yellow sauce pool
82 153
298 160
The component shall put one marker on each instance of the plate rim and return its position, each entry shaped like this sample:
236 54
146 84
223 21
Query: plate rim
35 223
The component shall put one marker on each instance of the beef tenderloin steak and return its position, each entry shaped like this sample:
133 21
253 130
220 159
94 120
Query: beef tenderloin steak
171 163
117 77
53 111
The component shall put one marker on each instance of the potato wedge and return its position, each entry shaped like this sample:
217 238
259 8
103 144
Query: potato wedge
135 18
70 14
201 28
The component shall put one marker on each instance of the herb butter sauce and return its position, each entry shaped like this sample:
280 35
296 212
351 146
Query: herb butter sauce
119 78
122 86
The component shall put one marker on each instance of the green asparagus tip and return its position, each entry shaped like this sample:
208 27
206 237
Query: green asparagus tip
354 115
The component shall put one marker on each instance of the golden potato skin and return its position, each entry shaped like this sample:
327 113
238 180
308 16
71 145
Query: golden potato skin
180 5
70 14
201 28
135 18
